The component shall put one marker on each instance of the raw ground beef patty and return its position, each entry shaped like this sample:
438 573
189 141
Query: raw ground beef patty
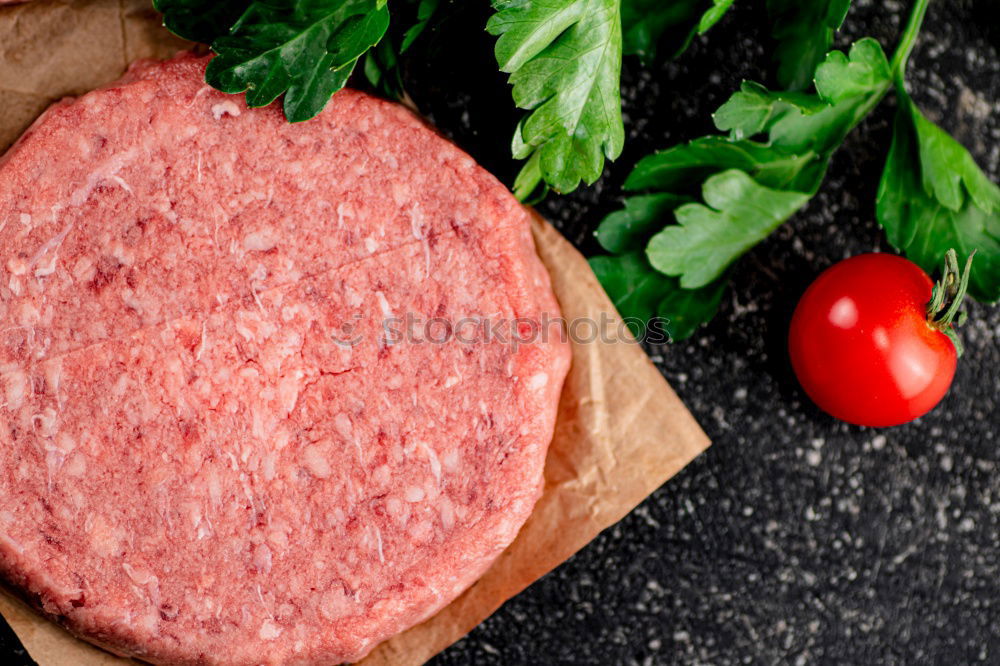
215 444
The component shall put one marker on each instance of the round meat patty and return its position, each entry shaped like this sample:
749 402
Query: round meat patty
268 392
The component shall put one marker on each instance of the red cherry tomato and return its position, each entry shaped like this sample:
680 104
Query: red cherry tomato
862 346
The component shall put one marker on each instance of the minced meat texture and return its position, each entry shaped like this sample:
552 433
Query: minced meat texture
248 411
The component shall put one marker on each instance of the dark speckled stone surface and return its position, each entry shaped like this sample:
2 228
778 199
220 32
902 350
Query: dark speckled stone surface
795 538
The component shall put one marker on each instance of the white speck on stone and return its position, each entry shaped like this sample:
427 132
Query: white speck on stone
947 464
878 442
414 494
489 649
941 518
814 458
811 514
719 415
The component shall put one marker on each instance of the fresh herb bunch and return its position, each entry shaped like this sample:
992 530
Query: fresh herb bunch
695 208
701 205
563 56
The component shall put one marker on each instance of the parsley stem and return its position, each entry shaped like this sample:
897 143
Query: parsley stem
908 40
899 60
529 178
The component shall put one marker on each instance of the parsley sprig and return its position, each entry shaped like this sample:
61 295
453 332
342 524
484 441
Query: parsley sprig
705 203
302 49
743 185
804 33
564 59
933 196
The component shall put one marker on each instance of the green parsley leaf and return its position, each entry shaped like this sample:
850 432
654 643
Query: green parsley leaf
863 74
772 161
709 238
847 90
200 21
685 310
564 61
382 64
756 110
305 49
381 68
646 299
634 287
685 167
646 23
933 197
804 32
949 171
629 229
425 12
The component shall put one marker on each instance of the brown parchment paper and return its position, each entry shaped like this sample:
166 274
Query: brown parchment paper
621 431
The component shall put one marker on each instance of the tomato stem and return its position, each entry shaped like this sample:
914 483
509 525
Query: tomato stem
944 310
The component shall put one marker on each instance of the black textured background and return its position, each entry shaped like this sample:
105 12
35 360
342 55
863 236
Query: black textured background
795 538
